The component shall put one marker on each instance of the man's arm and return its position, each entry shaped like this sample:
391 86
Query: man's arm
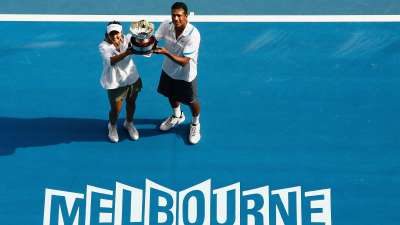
181 60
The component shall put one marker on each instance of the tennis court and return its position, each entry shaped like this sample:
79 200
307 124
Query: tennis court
314 105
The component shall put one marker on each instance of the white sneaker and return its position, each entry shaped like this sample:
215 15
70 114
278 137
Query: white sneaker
113 133
194 133
171 122
133 133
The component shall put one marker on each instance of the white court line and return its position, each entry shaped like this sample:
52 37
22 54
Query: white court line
202 18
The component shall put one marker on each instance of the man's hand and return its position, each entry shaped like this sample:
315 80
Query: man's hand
181 60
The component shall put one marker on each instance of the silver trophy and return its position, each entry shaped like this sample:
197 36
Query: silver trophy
142 40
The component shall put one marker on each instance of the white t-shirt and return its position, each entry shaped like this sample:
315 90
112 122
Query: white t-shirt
120 74
187 45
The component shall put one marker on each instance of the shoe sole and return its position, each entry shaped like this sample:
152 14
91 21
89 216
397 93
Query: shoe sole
193 143
113 141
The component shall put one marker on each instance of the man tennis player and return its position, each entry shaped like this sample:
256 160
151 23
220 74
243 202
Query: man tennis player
178 81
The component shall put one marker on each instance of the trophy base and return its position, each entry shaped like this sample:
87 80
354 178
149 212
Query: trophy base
135 52
143 47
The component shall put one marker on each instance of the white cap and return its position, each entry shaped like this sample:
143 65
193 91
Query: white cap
114 27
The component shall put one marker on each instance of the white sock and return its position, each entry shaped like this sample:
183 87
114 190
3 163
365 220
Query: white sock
177 111
196 119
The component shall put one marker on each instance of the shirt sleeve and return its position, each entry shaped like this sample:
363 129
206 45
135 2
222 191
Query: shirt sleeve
160 33
105 53
191 49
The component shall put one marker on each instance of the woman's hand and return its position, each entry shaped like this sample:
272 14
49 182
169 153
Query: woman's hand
163 51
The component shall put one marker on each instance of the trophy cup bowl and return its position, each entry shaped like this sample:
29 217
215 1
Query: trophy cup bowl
142 37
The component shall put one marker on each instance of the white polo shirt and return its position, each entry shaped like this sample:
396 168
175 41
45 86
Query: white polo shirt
187 44
120 74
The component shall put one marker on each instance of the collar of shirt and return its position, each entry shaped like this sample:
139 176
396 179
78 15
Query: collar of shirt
186 32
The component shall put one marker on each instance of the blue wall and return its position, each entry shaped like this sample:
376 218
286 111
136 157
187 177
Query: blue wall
203 7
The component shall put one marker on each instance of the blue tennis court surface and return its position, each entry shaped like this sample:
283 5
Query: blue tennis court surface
283 104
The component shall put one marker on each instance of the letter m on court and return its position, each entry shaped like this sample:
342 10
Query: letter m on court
63 208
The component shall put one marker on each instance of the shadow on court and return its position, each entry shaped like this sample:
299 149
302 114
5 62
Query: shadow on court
36 132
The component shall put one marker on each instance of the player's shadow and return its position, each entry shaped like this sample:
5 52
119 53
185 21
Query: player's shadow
20 132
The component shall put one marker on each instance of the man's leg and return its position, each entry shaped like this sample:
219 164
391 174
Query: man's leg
194 132
195 108
176 107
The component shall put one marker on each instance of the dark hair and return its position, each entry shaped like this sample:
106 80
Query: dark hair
180 5
112 32
114 22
